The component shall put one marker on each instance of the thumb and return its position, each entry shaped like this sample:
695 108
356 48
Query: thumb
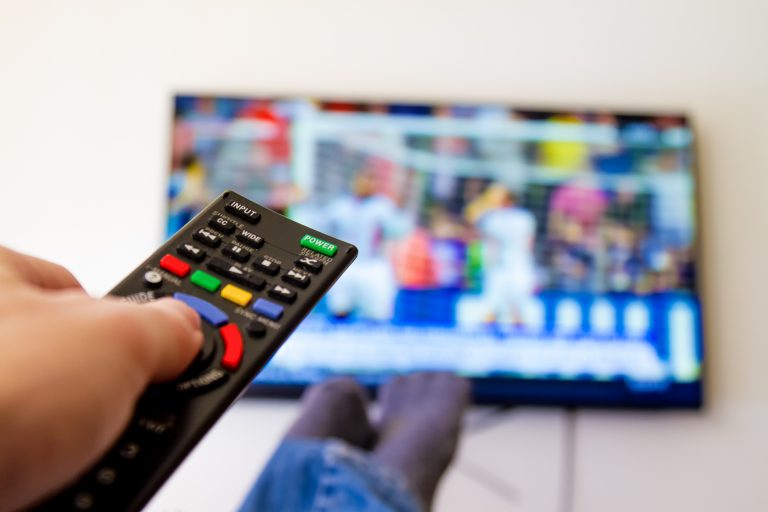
169 337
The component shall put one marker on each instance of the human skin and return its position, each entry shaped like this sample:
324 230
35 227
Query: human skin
71 370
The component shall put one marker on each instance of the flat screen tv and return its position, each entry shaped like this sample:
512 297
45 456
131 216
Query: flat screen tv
548 255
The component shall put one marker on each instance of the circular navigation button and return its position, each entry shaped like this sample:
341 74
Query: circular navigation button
207 350
206 354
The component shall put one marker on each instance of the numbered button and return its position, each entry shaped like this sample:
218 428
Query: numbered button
106 476
83 501
129 451
282 293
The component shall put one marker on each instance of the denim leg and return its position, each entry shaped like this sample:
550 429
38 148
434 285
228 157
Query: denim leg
327 475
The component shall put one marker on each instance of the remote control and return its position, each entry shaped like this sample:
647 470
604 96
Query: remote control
252 275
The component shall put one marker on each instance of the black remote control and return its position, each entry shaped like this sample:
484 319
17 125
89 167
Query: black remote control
252 275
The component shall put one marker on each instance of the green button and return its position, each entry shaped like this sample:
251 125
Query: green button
205 281
318 245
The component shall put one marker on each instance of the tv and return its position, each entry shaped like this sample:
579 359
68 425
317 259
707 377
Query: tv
548 255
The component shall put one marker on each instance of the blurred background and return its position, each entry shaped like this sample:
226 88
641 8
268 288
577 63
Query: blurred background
86 105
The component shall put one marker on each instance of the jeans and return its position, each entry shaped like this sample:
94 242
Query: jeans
307 475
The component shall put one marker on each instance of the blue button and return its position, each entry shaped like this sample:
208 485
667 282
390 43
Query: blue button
268 309
205 309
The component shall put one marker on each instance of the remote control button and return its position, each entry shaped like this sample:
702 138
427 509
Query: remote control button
153 279
312 264
267 266
250 281
205 281
237 295
236 252
174 265
268 308
207 237
205 309
106 476
223 267
256 329
204 382
316 244
192 252
237 274
83 501
129 451
282 293
250 239
233 347
222 225
300 279
244 212
156 424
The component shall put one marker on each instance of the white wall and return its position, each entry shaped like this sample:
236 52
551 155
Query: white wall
85 92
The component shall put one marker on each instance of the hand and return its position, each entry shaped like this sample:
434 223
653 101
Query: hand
71 370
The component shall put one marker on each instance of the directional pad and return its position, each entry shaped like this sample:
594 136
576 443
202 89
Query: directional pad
233 347
205 309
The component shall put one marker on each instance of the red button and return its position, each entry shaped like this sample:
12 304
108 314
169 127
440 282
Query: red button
233 347
174 265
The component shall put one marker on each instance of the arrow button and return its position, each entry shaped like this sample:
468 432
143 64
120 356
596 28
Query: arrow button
282 293
235 273
191 252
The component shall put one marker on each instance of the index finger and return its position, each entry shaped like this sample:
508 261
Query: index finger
36 271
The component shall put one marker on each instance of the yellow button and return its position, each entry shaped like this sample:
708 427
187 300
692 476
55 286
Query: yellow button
236 295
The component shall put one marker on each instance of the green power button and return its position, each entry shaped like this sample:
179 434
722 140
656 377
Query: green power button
318 245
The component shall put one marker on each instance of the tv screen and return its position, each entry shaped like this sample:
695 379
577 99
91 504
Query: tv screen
548 255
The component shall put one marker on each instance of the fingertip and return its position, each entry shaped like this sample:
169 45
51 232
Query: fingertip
181 344
178 307
38 272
